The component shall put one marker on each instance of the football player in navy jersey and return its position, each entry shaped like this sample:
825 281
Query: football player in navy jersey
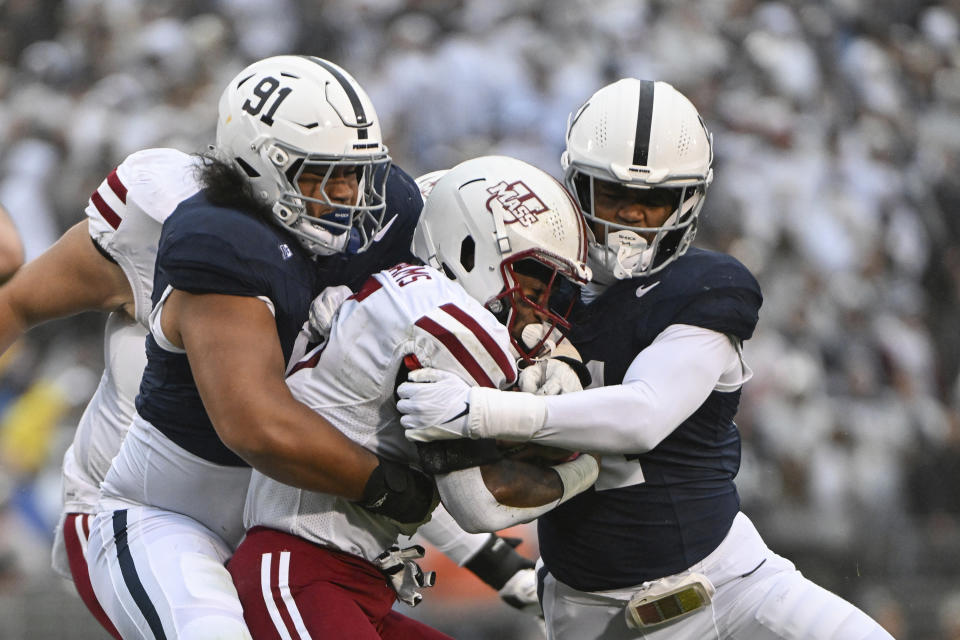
658 548
296 182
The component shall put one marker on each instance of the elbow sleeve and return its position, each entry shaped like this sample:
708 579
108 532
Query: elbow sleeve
468 500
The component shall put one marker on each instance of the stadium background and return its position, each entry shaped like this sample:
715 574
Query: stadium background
837 136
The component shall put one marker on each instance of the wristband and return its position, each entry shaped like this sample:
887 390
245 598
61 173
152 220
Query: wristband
399 492
577 476
578 368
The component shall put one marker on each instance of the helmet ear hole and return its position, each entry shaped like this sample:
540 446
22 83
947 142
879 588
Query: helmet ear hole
468 253
447 271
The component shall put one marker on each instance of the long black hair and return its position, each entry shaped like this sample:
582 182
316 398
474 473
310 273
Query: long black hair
225 185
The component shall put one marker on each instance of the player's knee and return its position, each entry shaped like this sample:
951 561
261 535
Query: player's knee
215 628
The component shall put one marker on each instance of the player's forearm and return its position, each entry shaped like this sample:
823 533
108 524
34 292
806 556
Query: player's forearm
519 484
298 447
69 277
476 505
12 322
11 259
664 385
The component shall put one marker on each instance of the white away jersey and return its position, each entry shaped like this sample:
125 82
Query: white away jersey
127 209
124 215
351 380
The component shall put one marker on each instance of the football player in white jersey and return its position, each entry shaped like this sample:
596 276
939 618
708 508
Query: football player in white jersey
103 263
658 548
511 239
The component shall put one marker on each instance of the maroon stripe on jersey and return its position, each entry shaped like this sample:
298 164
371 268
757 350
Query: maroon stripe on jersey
307 363
278 597
114 181
108 214
85 523
371 286
502 359
457 349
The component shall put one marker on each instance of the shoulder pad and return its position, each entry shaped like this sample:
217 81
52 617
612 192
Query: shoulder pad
157 180
715 291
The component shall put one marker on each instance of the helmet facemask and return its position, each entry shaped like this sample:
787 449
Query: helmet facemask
555 283
288 116
341 227
626 251
647 138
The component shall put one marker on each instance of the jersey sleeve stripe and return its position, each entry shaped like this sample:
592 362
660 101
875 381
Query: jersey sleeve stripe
457 350
371 286
308 362
503 360
108 214
118 188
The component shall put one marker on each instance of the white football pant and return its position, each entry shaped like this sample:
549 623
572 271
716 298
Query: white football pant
155 561
759 596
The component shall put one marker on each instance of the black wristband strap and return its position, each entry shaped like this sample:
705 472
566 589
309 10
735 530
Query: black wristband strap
578 368
399 492
497 562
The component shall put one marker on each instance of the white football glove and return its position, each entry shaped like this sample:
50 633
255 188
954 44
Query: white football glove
520 592
549 377
324 308
435 405
438 405
532 334
403 573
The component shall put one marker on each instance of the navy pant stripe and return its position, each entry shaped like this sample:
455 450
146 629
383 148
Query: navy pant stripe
130 577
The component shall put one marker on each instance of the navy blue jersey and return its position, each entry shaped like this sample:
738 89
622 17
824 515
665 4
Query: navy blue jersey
393 247
209 249
681 511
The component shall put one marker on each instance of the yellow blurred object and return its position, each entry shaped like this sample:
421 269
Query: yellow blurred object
27 427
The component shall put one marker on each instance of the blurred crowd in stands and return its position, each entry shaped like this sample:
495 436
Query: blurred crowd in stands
837 138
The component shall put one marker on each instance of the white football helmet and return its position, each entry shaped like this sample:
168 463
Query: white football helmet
427 181
287 115
492 217
647 136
